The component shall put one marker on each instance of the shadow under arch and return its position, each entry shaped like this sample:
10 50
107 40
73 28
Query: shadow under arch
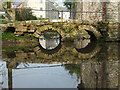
93 38
10 29
89 48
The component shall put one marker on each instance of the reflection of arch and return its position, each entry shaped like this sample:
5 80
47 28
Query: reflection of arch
37 33
90 29
89 48
92 35
49 52
63 53
90 54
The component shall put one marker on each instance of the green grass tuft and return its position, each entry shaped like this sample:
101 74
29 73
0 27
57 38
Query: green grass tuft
11 36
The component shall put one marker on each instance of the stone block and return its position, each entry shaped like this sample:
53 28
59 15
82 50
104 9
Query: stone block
36 35
31 30
18 33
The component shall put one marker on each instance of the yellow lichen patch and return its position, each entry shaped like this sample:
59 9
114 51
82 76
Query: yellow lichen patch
36 35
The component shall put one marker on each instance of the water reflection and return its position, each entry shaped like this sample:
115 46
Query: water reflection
49 43
84 45
81 43
98 68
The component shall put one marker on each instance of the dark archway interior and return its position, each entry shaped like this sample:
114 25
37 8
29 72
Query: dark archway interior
92 36
10 29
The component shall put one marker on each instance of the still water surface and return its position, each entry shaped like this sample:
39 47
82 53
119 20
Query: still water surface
52 64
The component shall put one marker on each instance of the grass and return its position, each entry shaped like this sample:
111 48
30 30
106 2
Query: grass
50 36
5 22
50 33
11 36
43 19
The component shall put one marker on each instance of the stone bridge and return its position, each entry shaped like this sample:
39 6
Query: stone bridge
64 28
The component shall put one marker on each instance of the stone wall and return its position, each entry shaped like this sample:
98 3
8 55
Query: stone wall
92 11
112 11
88 11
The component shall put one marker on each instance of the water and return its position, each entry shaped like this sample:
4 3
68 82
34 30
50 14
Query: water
60 65
49 43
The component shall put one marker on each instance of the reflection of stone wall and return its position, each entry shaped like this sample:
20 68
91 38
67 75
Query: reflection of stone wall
100 74
105 72
113 31
119 63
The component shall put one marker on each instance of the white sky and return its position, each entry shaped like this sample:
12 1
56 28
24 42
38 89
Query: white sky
67 0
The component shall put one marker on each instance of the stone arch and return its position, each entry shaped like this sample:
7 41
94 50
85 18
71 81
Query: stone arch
92 31
37 33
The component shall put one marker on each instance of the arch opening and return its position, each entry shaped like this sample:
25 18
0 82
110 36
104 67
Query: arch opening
10 29
49 39
93 38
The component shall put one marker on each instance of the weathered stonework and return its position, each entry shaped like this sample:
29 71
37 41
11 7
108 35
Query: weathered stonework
65 29
94 11
112 11
113 32
108 31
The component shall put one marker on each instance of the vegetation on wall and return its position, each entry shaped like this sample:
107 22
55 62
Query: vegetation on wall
11 36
